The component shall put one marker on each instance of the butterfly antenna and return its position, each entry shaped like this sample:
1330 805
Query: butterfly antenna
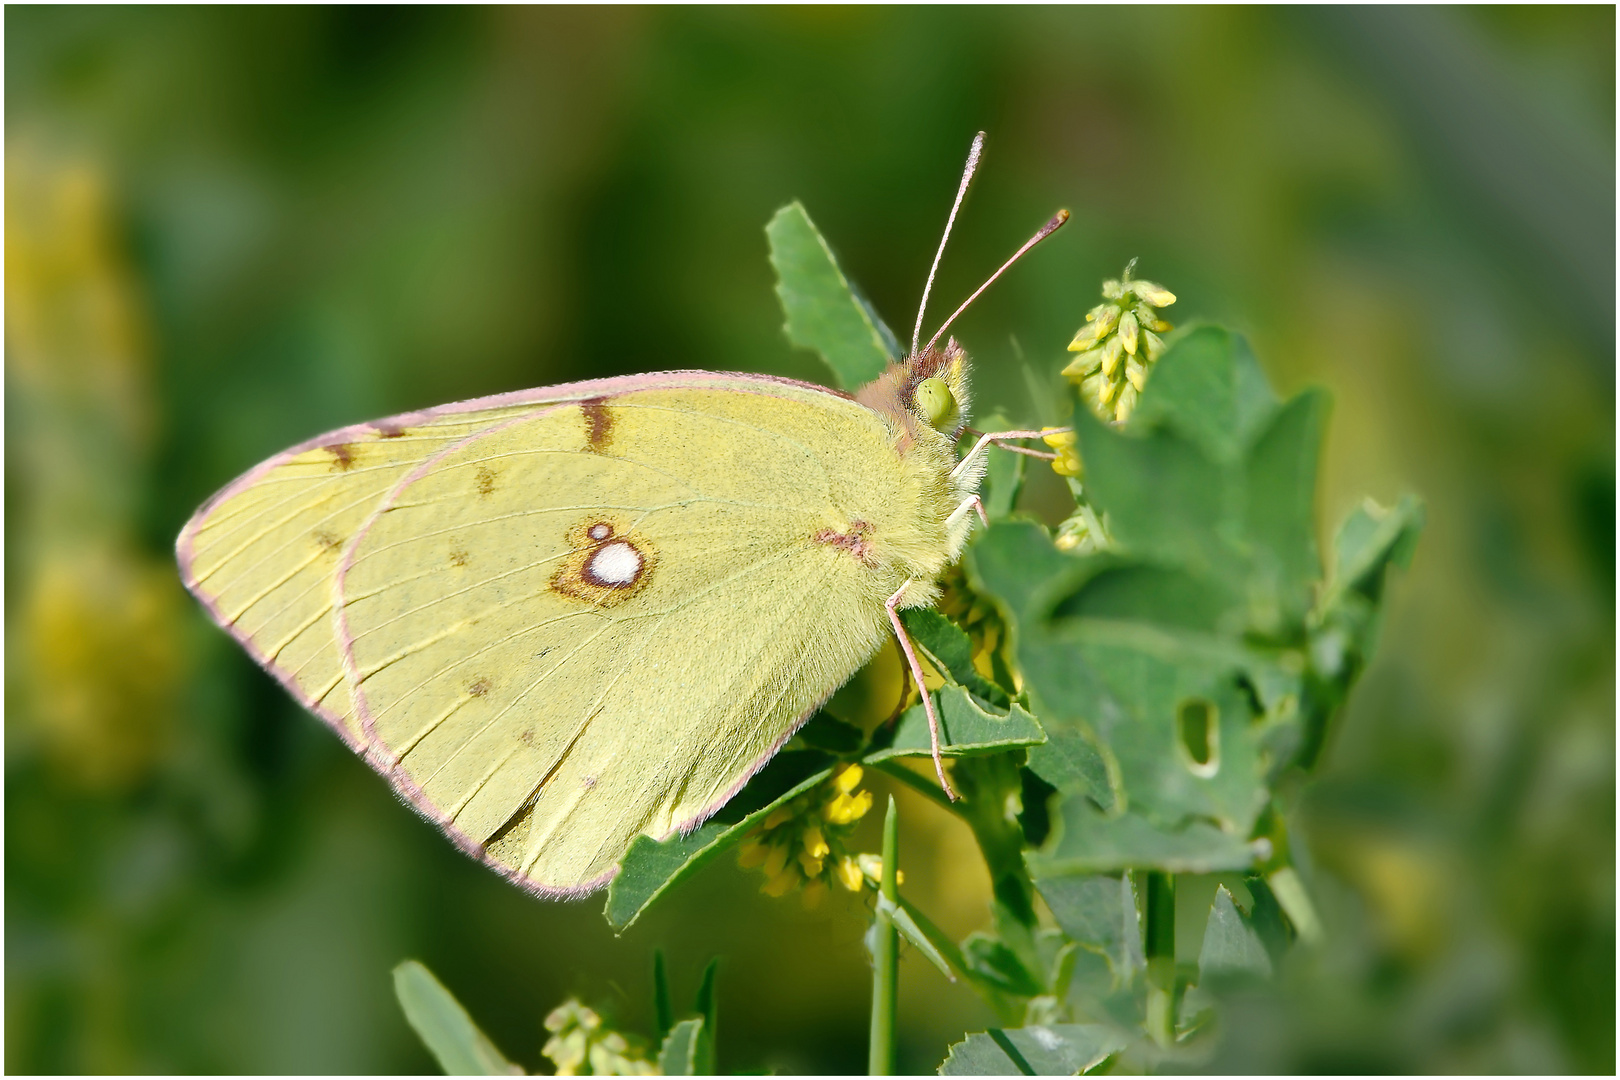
974 153
1045 230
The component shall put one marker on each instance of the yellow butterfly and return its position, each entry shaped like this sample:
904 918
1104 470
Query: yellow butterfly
559 619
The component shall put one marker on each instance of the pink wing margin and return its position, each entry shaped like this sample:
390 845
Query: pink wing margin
563 394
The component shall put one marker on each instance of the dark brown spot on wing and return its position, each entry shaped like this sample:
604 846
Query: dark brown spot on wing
485 477
326 540
342 456
478 687
598 424
458 557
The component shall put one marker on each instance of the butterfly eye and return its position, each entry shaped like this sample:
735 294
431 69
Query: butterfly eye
937 403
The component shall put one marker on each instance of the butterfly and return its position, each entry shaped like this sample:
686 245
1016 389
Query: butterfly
558 619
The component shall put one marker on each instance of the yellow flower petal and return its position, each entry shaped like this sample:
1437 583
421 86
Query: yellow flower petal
776 860
1157 295
849 873
778 816
849 779
1110 358
782 882
752 854
814 893
1136 373
1127 332
815 845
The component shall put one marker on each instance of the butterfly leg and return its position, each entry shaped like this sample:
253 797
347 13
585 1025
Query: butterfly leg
922 687
997 437
972 502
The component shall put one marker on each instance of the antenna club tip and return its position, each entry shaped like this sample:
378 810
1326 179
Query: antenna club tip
1062 215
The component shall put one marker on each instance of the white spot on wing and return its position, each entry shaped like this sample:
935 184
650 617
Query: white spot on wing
617 563
601 532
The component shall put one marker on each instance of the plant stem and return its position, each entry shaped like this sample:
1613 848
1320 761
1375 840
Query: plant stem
1159 947
886 955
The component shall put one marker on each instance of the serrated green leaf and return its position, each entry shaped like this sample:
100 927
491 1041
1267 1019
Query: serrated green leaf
684 1051
823 311
458 1045
1071 762
1096 911
1231 947
965 728
1209 388
1055 1050
1090 843
950 650
651 866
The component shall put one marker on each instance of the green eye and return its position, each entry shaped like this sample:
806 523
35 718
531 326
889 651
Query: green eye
937 403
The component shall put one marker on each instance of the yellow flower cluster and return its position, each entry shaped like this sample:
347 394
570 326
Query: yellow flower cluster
802 843
1118 344
581 1045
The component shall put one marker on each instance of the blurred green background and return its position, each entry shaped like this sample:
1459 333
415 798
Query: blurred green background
229 229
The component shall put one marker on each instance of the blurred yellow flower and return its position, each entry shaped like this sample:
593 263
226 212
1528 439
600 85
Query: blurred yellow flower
581 1045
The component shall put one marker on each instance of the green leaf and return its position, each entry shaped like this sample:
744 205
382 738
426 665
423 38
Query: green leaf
823 311
663 1007
1371 539
904 916
450 1034
1167 501
1098 912
706 1006
1280 514
651 866
1231 947
965 728
935 943
1071 762
826 732
1209 388
1089 843
993 963
1055 1050
950 650
686 1050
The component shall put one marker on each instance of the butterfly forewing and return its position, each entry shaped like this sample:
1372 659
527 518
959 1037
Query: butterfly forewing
561 619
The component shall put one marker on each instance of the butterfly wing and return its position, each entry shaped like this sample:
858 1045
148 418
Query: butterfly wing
560 623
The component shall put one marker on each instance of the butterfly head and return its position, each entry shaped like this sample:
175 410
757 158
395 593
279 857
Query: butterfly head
936 387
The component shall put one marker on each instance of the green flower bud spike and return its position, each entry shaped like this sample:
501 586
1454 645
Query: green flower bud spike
1119 345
